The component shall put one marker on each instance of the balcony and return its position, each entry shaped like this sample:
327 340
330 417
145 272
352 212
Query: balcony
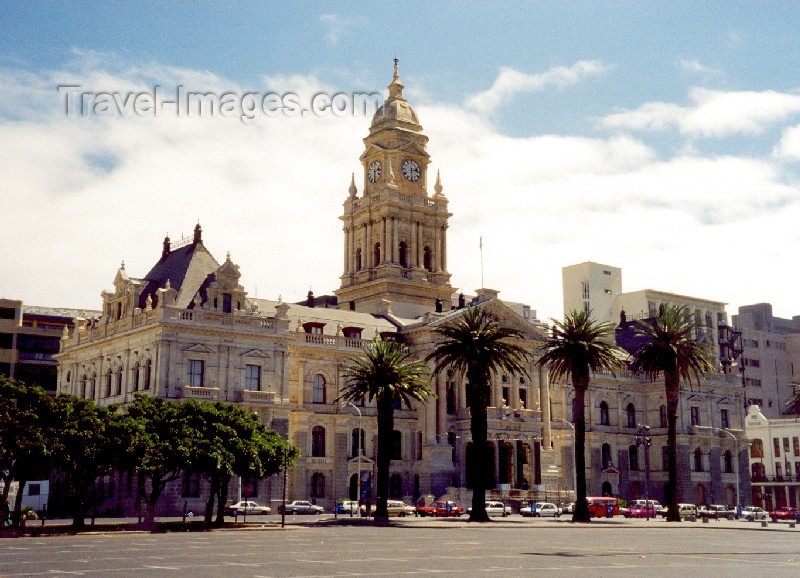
755 480
206 393
247 396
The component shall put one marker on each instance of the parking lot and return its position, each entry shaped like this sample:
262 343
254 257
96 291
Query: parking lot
512 546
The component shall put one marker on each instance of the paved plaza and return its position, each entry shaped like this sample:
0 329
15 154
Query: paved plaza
443 547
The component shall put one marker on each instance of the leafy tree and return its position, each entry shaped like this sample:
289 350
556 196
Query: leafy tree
671 351
387 374
160 447
478 346
92 441
577 347
27 429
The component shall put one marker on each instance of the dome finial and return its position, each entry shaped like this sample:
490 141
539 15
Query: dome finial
396 87
353 189
438 186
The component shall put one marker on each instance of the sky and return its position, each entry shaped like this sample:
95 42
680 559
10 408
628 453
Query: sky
659 137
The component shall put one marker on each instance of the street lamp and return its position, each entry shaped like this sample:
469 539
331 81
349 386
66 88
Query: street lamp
643 440
574 468
360 442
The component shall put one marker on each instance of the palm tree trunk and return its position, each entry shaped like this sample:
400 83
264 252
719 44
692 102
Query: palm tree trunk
478 429
385 429
581 512
672 385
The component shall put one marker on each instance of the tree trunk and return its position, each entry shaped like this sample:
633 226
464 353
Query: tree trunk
222 497
478 400
385 429
212 494
672 385
16 516
581 511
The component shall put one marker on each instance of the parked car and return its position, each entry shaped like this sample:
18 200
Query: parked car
300 507
240 508
716 511
400 508
685 511
650 510
494 508
541 510
528 511
441 508
753 513
785 513
347 507
568 508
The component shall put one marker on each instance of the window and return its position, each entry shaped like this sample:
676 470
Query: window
662 416
633 458
505 396
352 332
778 471
191 485
603 413
695 415
358 259
147 365
427 259
796 446
698 460
450 389
83 386
376 254
252 377
118 382
776 445
318 485
585 288
419 444
757 449
403 254
396 486
196 372
356 441
34 489
397 445
606 456
754 383
108 382
318 393
724 420
727 459
314 328
523 398
786 446
318 442
631 412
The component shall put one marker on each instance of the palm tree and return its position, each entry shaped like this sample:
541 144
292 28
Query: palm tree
477 346
385 373
671 350
577 347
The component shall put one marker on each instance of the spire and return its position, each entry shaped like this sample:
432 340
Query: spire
353 189
166 249
198 233
122 266
438 186
396 87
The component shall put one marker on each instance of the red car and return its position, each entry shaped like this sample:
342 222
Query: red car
641 511
785 513
441 509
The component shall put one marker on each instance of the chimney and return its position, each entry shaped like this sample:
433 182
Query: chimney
166 249
198 232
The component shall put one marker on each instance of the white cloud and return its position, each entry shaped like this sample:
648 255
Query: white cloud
694 66
789 145
271 192
337 26
712 113
510 82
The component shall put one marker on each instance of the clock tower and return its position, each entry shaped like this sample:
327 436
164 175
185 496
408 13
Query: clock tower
395 234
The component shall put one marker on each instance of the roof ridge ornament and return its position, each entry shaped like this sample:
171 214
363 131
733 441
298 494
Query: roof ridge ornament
395 87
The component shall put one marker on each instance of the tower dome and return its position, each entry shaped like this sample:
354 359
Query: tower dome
395 112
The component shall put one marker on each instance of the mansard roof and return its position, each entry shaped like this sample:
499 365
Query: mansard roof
186 268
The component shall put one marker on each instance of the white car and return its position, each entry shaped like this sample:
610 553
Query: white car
495 508
301 507
240 508
541 510
753 513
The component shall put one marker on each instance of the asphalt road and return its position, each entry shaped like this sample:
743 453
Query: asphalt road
318 546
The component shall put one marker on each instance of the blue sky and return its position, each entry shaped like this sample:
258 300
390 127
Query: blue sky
661 137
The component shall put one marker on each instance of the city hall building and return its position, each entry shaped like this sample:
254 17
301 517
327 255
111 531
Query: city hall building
188 329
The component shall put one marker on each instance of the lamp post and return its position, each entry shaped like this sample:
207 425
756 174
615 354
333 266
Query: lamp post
574 471
644 440
360 442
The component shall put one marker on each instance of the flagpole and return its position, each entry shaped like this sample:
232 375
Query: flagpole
481 246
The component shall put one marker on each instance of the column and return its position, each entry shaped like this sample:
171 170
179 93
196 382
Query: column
430 415
444 248
395 244
369 254
412 257
545 405
384 242
437 263
347 250
299 386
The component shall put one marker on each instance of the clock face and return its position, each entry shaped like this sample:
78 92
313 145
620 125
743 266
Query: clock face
374 171
411 170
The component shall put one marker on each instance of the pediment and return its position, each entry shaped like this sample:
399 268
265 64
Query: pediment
365 461
197 348
228 269
611 470
694 397
725 401
256 353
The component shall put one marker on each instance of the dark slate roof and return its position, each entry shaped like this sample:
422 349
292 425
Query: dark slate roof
186 268
58 313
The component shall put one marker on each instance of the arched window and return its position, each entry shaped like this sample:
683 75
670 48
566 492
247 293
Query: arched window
136 376
396 486
603 413
358 259
376 254
357 439
397 445
427 259
698 460
318 485
108 382
319 389
631 412
118 382
606 453
147 367
318 442
662 416
633 458
90 392
403 250
727 462
83 386
757 449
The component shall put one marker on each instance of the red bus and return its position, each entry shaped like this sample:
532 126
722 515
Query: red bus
605 507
